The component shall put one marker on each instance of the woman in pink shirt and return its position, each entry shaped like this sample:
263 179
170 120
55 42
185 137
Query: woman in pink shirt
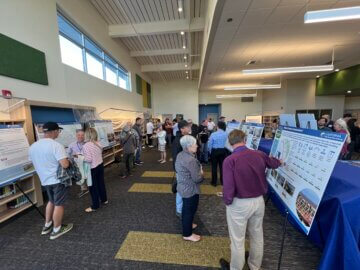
93 154
340 126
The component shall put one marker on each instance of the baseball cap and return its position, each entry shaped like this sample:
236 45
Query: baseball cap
51 126
182 124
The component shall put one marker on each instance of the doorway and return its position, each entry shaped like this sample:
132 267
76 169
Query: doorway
209 111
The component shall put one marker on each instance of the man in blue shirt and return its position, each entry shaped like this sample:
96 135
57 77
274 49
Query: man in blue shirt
218 152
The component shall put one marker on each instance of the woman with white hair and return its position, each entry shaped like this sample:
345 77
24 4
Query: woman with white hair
340 126
189 176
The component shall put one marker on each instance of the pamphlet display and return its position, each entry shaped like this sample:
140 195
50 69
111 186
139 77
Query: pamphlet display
105 132
253 119
307 120
253 133
14 152
67 135
309 158
287 120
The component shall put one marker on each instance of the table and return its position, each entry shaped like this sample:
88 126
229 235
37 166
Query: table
336 228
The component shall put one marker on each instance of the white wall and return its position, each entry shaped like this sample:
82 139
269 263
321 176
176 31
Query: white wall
36 26
232 108
352 103
176 97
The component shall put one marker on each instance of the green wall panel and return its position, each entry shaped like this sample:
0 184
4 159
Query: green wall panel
138 85
338 83
148 89
22 62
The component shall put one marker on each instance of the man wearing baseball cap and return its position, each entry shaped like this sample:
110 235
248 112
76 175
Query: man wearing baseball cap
47 154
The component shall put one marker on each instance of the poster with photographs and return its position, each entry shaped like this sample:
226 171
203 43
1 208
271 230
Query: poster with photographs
253 133
105 132
309 158
67 135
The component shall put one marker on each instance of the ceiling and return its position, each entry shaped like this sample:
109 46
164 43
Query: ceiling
150 30
273 33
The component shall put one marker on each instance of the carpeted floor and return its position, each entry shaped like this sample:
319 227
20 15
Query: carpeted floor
98 237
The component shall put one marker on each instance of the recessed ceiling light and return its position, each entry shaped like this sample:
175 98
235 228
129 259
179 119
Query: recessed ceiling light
318 76
186 72
187 77
349 91
185 57
289 69
182 33
229 20
185 65
184 47
337 70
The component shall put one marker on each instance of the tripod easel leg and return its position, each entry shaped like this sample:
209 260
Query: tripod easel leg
27 197
283 239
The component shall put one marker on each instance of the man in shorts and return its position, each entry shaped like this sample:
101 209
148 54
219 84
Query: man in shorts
47 154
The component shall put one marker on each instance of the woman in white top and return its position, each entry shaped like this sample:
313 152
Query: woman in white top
161 135
92 151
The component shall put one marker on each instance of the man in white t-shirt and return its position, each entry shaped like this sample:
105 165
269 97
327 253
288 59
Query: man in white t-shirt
211 125
149 132
47 154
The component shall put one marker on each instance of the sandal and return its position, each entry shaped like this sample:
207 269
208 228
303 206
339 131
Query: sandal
89 210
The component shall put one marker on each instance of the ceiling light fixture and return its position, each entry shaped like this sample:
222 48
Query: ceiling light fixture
336 70
331 15
288 69
186 66
185 57
236 95
182 33
184 47
180 6
255 87
186 72
318 76
349 91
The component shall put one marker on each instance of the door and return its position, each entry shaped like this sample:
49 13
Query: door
213 116
209 110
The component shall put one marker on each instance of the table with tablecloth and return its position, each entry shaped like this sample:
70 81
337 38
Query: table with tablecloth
336 228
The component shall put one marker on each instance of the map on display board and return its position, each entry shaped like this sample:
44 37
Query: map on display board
309 158
287 120
105 130
253 119
253 133
14 152
67 135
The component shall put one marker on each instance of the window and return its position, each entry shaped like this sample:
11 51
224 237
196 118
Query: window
82 53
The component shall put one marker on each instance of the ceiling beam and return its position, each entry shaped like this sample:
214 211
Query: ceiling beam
128 30
158 52
168 67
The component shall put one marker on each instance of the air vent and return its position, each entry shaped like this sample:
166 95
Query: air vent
247 99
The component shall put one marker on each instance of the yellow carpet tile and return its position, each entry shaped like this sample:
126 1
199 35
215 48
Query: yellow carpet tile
166 188
167 174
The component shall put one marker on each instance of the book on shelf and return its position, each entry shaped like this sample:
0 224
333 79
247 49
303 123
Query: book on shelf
7 191
18 202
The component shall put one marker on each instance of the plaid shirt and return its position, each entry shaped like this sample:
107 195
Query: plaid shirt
66 176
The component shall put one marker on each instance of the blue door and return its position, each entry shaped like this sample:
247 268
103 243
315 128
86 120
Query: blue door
209 110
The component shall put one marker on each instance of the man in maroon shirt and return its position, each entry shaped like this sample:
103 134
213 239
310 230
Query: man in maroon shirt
244 184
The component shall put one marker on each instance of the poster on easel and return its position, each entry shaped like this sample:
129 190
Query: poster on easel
287 120
253 132
307 120
231 125
105 131
309 158
67 135
14 153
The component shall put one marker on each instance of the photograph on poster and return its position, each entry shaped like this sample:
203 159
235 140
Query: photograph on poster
306 204
253 132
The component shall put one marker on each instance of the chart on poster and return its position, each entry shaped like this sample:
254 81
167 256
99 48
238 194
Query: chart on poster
309 158
253 133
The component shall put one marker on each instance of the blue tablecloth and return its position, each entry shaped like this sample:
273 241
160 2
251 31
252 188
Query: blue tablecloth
336 228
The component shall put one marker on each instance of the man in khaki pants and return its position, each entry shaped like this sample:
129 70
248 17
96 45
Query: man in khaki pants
244 184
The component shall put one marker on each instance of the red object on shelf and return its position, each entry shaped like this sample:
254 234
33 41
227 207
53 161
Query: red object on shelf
6 93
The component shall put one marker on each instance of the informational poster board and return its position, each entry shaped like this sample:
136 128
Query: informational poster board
14 152
253 119
230 126
309 158
287 120
67 135
105 132
307 120
253 133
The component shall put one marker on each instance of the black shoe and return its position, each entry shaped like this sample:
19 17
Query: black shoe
224 264
246 256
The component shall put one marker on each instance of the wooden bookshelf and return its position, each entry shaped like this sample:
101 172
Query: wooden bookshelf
110 153
267 121
27 184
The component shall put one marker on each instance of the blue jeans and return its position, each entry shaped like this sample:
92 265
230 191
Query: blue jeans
138 153
204 155
179 203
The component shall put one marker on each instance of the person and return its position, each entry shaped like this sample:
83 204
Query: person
340 126
168 127
175 128
74 149
47 155
203 137
222 119
322 125
218 152
161 135
189 177
329 122
211 125
244 187
354 135
176 148
347 117
274 127
93 154
194 128
129 143
137 128
149 133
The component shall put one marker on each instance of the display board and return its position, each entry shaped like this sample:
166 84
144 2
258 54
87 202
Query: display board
230 126
288 120
253 119
14 152
309 158
67 135
105 132
307 120
253 133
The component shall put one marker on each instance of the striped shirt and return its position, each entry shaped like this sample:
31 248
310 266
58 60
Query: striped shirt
93 154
